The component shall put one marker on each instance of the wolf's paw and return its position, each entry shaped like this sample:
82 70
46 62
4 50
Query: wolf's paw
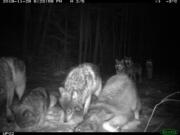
53 101
108 127
130 126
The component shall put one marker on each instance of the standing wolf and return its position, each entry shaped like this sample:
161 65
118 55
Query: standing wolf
149 69
133 70
12 80
80 85
117 105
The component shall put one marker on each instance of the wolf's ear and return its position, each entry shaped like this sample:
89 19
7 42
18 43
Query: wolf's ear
64 93
53 101
117 61
74 95
61 90
121 62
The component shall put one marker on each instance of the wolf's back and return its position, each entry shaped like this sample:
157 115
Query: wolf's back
117 105
120 92
85 81
18 75
12 79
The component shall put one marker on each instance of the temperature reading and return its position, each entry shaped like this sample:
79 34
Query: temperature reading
171 1
166 1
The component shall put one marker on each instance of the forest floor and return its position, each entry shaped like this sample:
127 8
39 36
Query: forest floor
151 92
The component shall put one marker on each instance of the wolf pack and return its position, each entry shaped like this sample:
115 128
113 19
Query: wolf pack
84 99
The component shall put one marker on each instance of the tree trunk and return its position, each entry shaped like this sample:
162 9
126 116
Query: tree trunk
66 36
126 49
38 28
81 35
25 40
97 37
90 41
114 38
141 40
130 28
41 46
87 22
121 48
101 53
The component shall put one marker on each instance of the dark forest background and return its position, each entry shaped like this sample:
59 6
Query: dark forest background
68 34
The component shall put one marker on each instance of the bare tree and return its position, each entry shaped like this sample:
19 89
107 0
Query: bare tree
87 33
47 19
97 37
25 40
81 33
114 37
66 35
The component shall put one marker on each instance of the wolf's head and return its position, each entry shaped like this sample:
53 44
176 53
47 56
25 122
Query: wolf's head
128 61
120 66
69 105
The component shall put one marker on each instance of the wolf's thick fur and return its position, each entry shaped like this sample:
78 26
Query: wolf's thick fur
31 110
12 80
80 84
117 105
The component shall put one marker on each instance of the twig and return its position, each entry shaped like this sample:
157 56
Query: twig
162 101
170 95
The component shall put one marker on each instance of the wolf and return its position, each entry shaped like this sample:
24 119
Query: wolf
120 66
94 119
149 69
117 104
31 110
81 83
134 70
12 80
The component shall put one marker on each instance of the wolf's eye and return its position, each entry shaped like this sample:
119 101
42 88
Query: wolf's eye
68 111
77 108
27 114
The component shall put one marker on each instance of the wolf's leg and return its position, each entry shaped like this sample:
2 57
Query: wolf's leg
136 115
87 103
108 127
10 94
115 124
20 89
130 126
20 83
98 91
